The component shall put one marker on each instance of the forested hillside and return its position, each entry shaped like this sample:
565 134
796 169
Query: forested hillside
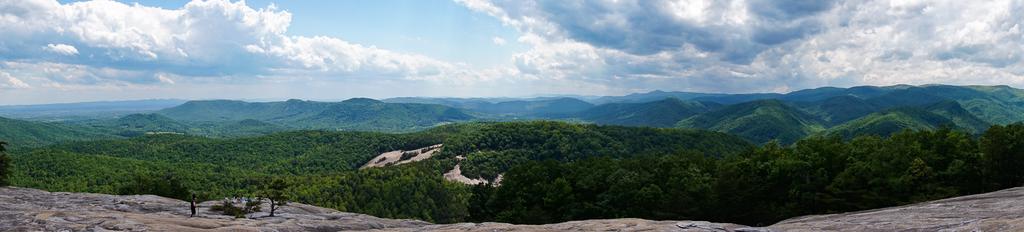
840 109
758 121
491 149
891 121
799 114
763 185
323 165
758 118
21 134
661 113
353 114
134 125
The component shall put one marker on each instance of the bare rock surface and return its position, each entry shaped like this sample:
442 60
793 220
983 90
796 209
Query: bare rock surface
395 157
456 175
622 224
995 211
23 209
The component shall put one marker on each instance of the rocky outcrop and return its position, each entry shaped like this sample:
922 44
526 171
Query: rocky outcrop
456 175
24 209
399 157
995 211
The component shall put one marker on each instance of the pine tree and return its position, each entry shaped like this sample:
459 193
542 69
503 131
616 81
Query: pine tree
5 164
274 191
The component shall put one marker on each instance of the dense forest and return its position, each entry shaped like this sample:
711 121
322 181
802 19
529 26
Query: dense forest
27 134
553 171
321 166
5 163
762 185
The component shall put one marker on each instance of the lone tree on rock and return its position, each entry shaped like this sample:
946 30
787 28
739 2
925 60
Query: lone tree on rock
274 191
5 164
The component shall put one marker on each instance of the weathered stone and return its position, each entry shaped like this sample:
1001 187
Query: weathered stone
995 211
24 209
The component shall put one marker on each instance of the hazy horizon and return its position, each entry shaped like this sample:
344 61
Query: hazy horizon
583 97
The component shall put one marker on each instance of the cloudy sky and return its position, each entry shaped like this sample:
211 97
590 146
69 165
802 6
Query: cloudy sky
69 51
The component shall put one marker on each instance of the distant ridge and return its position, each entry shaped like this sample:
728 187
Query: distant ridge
548 107
798 114
352 114
661 113
759 121
107 109
20 133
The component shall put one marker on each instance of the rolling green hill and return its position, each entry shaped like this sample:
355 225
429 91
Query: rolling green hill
827 106
884 123
993 104
839 109
248 127
662 113
141 124
22 134
959 116
971 108
549 108
228 110
823 93
493 148
758 121
327 152
149 123
353 114
890 121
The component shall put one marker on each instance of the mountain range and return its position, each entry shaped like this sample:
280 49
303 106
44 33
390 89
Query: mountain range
762 117
822 111
758 117
352 114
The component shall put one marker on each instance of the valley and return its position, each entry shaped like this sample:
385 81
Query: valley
750 159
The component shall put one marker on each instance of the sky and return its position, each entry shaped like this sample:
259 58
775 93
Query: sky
72 51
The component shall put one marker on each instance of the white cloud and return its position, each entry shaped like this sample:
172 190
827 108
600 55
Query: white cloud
81 76
758 45
498 41
62 49
164 78
201 39
9 82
